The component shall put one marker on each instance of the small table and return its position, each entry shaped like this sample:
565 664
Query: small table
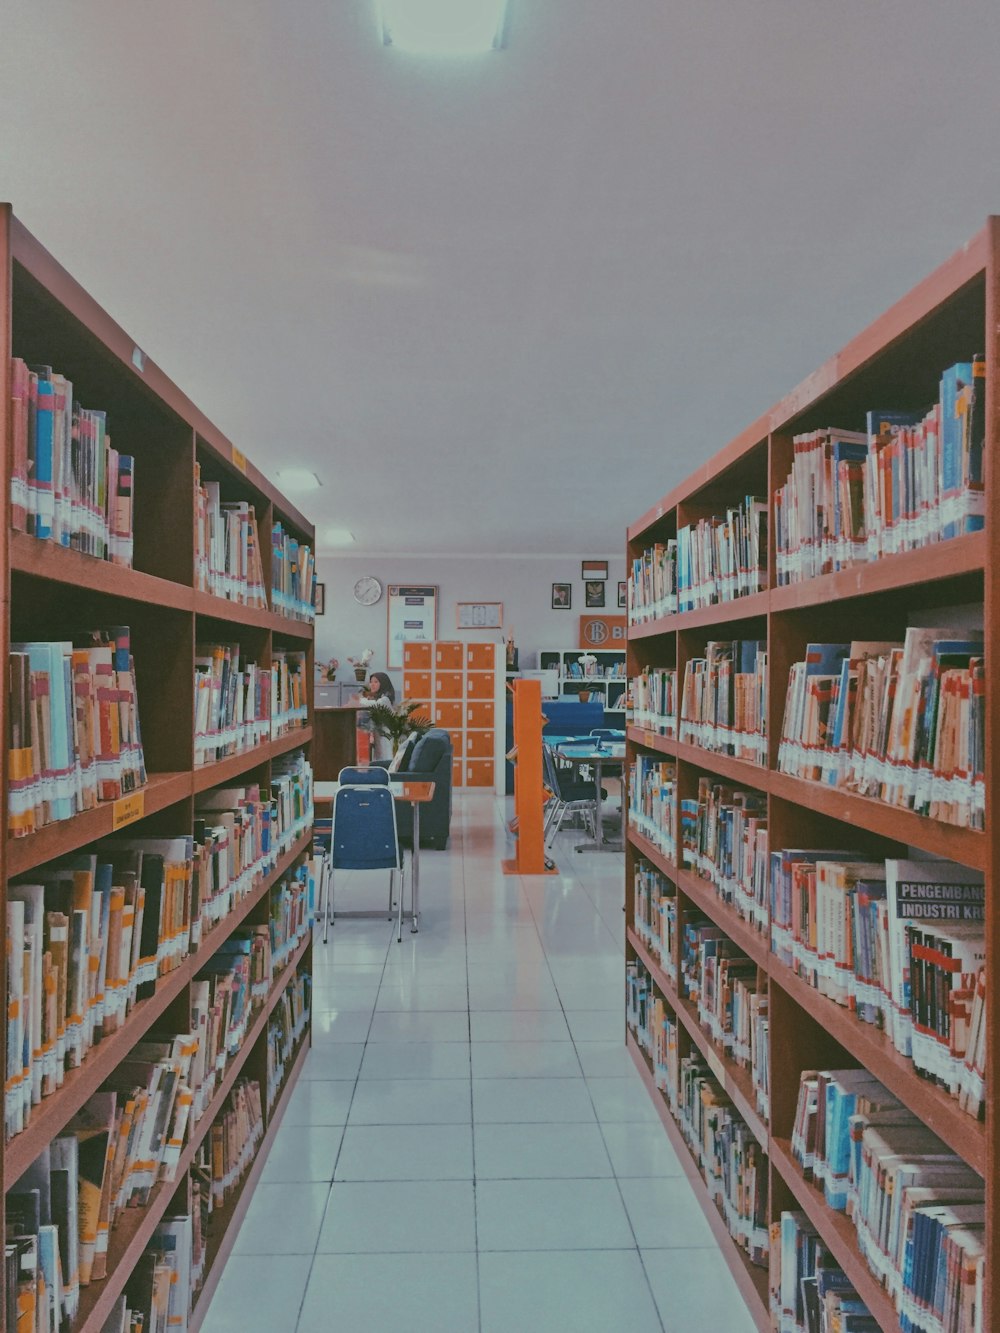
415 794
589 753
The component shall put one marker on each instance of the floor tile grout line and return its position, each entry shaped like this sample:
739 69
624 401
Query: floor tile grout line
590 1095
472 1099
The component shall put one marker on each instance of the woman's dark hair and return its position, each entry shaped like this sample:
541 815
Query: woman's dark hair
385 690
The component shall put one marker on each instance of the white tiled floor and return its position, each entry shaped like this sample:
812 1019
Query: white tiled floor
470 1148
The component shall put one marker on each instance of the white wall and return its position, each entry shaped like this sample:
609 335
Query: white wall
522 583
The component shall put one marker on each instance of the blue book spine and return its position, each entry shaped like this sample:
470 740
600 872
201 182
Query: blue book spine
953 382
45 424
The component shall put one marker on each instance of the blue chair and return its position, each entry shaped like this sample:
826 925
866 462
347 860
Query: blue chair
360 777
364 837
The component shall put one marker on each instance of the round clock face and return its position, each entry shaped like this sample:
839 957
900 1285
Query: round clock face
367 590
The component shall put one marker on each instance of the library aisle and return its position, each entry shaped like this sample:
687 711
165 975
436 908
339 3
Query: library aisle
470 1147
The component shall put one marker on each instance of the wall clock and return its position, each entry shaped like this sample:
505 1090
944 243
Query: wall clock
367 590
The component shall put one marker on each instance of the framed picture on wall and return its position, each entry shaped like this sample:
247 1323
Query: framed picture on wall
594 593
623 593
319 601
594 569
479 615
562 596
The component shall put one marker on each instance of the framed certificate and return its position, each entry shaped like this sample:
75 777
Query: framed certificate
411 617
479 615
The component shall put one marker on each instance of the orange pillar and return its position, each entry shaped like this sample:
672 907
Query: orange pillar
529 796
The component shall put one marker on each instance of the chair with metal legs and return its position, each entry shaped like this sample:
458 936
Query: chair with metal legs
364 837
569 798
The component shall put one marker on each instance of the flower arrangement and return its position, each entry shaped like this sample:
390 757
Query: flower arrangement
588 661
360 663
395 721
328 670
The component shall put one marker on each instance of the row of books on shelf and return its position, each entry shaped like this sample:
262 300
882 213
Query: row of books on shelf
652 583
919 1213
285 1029
898 942
652 801
239 705
732 1162
655 914
903 723
73 730
721 558
652 700
67 484
731 997
901 943
92 934
293 576
594 671
723 704
911 479
129 1137
227 554
808 1290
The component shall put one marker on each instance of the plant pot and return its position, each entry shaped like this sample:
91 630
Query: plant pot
584 696
360 673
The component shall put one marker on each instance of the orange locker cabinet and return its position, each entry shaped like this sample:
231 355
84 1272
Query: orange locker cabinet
448 656
479 744
479 715
417 684
419 656
480 685
448 685
448 714
479 772
480 656
457 773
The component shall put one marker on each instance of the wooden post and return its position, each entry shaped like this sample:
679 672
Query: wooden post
529 796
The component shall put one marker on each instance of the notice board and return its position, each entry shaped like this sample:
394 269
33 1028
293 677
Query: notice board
412 617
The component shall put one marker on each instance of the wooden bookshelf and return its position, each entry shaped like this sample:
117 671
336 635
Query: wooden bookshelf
896 362
54 593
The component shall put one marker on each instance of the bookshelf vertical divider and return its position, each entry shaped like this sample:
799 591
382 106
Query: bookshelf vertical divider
950 316
51 592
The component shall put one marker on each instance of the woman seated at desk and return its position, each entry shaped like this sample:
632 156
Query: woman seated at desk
378 690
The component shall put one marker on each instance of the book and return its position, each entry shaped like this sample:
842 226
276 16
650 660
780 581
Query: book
227 546
293 576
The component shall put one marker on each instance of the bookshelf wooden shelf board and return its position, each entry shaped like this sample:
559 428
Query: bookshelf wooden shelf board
224 771
55 1111
254 617
895 363
56 564
131 1236
69 835
227 1220
968 846
837 1232
952 559
750 1279
736 1081
873 1048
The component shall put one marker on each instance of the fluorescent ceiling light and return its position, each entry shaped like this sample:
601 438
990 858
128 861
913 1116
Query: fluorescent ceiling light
297 479
335 537
443 27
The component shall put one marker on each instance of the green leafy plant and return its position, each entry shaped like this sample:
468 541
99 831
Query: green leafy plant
395 721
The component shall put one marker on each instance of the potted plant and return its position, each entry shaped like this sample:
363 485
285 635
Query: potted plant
360 664
328 670
395 721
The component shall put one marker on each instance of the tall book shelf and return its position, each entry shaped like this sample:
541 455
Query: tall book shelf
51 592
897 361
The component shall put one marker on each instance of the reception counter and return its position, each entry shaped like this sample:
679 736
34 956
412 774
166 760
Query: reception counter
335 743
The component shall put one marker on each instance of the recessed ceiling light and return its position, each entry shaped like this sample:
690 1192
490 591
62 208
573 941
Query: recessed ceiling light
443 27
335 537
297 479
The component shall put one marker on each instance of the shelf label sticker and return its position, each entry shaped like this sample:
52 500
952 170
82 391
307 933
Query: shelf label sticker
128 809
138 359
240 459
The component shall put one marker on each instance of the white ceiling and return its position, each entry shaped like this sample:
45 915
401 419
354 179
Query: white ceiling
501 304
